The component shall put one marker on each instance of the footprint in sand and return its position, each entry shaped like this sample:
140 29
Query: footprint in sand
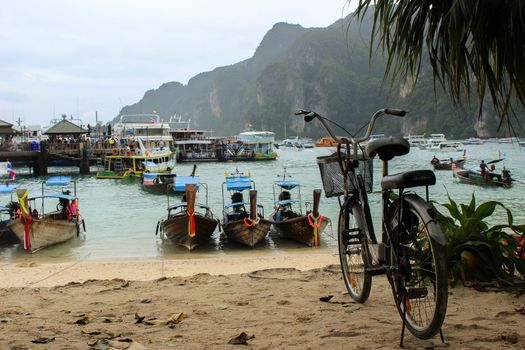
28 264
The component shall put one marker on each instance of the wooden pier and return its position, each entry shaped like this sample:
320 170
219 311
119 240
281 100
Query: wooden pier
81 154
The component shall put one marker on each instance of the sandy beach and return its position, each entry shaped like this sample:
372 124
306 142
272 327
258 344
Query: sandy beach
272 301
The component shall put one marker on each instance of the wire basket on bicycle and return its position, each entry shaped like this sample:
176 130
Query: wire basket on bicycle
332 177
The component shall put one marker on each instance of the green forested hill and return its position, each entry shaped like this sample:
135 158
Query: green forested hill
323 69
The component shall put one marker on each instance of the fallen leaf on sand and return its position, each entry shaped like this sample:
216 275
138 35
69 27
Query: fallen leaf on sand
170 321
83 320
139 319
241 339
326 299
43 340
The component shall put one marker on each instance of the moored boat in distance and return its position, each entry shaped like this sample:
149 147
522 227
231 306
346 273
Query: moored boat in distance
472 141
259 143
38 230
247 227
440 164
325 142
125 163
289 220
188 224
416 140
490 179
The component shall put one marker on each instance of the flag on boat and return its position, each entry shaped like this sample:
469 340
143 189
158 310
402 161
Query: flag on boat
6 169
11 171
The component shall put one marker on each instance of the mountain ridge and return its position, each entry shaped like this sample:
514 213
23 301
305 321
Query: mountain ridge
322 69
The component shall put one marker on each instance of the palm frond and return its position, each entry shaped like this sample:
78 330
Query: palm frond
473 45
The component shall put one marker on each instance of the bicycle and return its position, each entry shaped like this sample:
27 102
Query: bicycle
412 248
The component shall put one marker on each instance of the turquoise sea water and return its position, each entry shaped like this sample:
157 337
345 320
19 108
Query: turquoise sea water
121 218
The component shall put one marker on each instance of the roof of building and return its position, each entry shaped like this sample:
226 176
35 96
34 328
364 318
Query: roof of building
65 127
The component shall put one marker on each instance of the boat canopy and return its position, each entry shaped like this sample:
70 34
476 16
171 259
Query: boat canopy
287 185
7 188
56 195
155 175
58 181
288 201
236 204
238 183
182 181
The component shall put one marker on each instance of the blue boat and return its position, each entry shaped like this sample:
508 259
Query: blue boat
7 214
245 226
290 219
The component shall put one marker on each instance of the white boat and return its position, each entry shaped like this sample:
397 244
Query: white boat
37 227
145 127
260 144
417 140
472 141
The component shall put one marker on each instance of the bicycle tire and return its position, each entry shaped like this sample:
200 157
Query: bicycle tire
419 278
354 258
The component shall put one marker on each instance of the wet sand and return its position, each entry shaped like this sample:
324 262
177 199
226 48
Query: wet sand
204 303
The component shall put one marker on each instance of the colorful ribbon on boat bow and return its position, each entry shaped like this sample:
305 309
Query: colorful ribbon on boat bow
191 223
315 222
25 217
249 222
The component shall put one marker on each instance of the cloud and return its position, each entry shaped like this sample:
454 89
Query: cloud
56 52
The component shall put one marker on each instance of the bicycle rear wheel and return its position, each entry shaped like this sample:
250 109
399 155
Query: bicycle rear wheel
354 254
419 276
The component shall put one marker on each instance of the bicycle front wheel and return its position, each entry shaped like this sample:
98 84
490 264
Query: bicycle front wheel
419 275
354 254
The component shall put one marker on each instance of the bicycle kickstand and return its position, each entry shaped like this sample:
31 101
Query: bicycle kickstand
404 322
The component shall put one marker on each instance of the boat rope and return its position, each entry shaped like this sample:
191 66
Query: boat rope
191 223
60 271
249 222
315 222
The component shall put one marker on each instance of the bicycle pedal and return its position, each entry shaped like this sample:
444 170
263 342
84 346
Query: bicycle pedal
417 293
352 236
375 270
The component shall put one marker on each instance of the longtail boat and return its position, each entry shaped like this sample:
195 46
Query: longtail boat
450 164
7 214
156 183
240 225
289 221
38 230
184 225
490 179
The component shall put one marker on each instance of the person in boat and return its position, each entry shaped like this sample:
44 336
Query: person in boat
434 160
239 211
484 167
285 210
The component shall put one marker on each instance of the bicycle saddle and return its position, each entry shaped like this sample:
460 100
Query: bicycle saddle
387 148
414 178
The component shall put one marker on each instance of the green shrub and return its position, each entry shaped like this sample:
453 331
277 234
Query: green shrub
479 252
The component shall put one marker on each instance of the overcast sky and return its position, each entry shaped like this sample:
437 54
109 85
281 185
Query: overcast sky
81 56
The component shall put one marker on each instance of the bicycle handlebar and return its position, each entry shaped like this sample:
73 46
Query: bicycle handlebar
310 115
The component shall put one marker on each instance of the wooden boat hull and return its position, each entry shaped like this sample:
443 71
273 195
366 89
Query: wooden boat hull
476 179
6 234
45 232
176 229
448 166
239 232
161 188
298 229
